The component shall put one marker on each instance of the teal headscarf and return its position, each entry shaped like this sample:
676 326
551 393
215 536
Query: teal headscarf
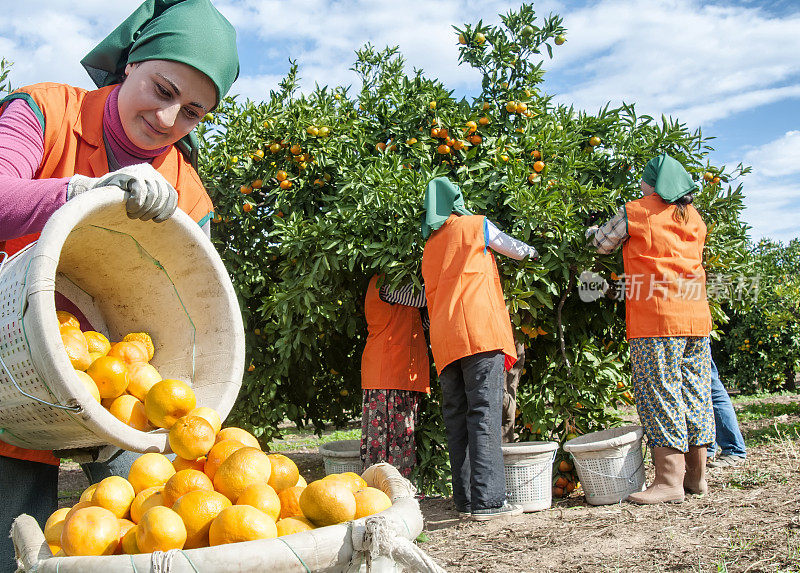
442 199
669 178
192 32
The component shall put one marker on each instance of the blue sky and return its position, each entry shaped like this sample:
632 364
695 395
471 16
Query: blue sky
730 67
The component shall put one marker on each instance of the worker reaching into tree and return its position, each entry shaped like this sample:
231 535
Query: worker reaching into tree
158 74
668 324
472 343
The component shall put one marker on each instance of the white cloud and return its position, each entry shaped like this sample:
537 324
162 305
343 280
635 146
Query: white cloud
777 158
772 207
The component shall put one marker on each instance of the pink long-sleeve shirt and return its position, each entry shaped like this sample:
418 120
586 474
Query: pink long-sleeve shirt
27 203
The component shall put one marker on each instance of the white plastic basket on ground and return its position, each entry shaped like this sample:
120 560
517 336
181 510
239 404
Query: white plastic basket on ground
528 468
125 276
609 463
342 456
385 538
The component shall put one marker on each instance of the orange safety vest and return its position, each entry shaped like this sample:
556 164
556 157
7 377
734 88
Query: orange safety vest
396 354
465 298
72 121
665 280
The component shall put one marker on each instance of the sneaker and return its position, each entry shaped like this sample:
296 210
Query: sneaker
726 461
505 510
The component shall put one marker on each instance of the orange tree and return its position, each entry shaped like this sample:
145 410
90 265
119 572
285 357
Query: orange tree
316 192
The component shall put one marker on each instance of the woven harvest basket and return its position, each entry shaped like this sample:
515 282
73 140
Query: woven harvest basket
342 456
528 468
609 463
326 549
124 276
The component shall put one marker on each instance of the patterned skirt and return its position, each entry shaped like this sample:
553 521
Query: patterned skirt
387 428
672 387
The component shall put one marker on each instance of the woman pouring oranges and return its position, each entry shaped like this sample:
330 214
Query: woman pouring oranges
166 66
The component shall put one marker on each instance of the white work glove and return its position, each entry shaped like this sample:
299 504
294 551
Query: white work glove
150 196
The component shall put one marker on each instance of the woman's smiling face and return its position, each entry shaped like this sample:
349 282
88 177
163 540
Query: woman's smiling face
161 101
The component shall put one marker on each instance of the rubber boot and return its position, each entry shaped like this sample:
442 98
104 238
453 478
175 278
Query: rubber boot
694 482
667 487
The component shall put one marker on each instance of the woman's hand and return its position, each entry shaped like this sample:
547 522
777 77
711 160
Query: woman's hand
150 196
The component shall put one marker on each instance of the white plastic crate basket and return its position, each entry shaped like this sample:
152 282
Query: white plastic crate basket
528 468
124 276
609 463
342 456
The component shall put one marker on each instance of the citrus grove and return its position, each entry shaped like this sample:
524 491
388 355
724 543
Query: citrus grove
316 192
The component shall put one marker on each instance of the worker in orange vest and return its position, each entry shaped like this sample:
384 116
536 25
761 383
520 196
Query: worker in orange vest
395 374
472 343
158 74
668 325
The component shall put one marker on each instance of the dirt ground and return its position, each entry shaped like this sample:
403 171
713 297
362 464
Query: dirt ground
748 522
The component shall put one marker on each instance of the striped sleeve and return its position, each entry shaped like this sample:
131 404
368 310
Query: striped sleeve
404 295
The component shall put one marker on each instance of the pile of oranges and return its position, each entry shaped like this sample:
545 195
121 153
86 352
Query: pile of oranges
221 488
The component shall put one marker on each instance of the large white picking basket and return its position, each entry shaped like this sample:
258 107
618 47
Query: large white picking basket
385 538
528 468
124 276
610 463
342 456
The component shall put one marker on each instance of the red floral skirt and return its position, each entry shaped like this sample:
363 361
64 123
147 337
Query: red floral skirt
387 428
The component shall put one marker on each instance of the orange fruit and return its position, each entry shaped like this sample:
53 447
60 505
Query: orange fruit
88 493
289 525
284 473
129 546
240 435
538 166
54 549
210 415
167 401
262 497
352 480
90 531
67 319
130 410
87 381
110 374
160 529
150 470
218 454
301 482
328 502
198 509
77 506
181 464
144 500
97 342
370 500
76 347
54 525
116 494
243 468
191 437
141 377
144 339
241 523
130 352
290 502
183 482
125 525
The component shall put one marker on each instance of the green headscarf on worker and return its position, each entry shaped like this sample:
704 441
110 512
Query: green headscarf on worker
669 178
192 32
442 199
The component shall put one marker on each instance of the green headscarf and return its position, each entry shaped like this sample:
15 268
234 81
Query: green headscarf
442 199
669 178
192 32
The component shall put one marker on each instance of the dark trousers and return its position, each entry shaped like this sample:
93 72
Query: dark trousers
25 487
472 398
510 395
